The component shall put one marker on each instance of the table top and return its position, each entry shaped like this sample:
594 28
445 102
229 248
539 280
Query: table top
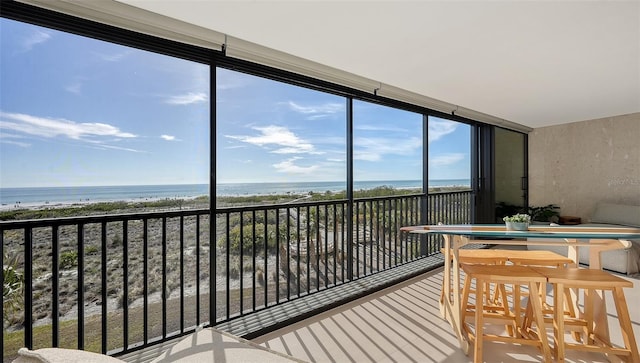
535 231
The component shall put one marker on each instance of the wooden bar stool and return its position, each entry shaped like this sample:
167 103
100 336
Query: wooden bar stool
501 275
591 280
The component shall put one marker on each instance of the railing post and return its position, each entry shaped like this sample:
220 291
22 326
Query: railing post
80 286
350 261
55 287
424 214
28 288
2 283
103 287
125 284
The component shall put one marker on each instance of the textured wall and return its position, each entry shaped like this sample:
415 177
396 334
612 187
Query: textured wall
579 164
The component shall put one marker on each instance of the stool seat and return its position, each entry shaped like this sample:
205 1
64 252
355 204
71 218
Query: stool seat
481 255
583 278
538 258
504 273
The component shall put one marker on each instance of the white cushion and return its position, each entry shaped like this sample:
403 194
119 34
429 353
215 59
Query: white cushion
626 215
624 260
61 355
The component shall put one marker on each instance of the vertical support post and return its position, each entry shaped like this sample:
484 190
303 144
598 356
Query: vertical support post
349 213
212 191
424 207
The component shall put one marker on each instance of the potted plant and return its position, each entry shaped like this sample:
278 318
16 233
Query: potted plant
517 222
547 213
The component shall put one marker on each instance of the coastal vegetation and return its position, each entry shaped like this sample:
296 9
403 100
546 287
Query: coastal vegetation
13 287
115 207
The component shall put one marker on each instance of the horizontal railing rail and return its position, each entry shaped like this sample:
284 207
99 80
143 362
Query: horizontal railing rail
115 283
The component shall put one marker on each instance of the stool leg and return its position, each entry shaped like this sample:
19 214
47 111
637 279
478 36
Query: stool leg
558 322
442 292
477 346
501 296
517 301
536 305
464 305
625 323
466 291
570 306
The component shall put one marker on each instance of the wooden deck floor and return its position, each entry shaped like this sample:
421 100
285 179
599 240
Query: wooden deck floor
403 324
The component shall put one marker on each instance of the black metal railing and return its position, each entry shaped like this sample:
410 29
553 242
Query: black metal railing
115 283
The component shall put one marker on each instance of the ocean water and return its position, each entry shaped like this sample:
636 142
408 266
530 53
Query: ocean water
15 196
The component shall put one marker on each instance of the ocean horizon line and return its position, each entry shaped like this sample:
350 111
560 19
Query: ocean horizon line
73 194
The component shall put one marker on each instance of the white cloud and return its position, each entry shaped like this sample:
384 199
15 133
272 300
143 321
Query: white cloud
49 127
168 137
316 111
17 143
286 141
115 57
288 166
445 159
35 38
75 87
105 146
440 128
226 80
7 138
187 99
373 149
366 155
380 128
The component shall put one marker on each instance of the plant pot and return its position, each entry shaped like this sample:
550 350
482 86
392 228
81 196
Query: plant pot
517 226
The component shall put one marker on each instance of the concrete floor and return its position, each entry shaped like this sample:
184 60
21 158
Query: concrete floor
403 324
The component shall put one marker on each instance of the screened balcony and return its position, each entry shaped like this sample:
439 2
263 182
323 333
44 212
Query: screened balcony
281 272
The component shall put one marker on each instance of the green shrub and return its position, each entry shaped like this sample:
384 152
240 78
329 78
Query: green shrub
13 287
68 259
90 250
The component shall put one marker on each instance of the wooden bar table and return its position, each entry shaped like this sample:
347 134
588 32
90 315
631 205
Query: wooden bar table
597 239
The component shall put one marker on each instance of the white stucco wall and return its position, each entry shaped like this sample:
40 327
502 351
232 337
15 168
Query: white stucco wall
579 164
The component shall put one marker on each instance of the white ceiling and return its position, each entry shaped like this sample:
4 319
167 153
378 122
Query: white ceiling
536 63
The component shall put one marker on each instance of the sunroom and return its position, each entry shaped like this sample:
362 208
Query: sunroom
312 132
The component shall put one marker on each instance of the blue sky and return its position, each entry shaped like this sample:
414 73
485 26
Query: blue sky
77 111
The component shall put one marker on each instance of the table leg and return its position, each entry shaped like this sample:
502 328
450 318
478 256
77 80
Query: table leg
558 322
595 301
451 306
573 253
445 302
